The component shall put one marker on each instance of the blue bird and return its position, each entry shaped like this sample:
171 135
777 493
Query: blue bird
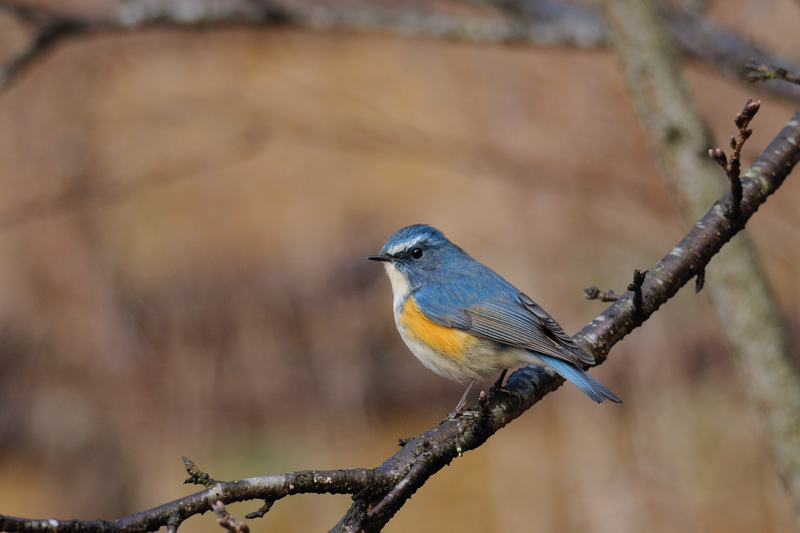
465 322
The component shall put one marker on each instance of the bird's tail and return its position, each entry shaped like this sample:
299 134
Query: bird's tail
578 377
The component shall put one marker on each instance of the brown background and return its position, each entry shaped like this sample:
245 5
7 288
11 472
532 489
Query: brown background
185 219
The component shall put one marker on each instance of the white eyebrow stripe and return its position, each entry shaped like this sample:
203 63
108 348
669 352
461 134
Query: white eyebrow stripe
405 245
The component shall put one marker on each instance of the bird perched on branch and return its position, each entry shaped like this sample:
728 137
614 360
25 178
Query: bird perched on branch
465 322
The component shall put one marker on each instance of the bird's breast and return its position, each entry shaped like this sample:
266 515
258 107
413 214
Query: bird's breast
451 353
415 326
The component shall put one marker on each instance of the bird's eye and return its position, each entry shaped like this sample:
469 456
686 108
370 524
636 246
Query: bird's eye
416 253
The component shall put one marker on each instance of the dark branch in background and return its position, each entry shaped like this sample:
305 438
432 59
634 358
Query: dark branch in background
534 21
53 26
50 29
695 35
721 49
379 493
544 22
764 72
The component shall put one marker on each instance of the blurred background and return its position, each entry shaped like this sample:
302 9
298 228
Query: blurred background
185 215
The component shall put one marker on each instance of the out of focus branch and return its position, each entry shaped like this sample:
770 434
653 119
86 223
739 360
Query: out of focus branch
227 521
485 23
695 35
763 72
544 22
380 492
722 49
52 25
748 314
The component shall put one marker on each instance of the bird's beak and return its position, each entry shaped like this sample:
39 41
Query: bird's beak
382 257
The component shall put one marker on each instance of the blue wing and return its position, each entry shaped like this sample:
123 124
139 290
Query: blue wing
482 303
510 317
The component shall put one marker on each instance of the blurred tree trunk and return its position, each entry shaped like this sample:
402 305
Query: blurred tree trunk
749 316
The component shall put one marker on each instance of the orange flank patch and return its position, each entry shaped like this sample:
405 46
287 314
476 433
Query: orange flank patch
448 341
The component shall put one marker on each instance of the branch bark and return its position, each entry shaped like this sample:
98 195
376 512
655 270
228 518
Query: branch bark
751 320
379 493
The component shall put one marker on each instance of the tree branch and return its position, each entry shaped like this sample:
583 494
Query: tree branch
543 22
380 492
747 311
270 488
227 521
763 72
721 49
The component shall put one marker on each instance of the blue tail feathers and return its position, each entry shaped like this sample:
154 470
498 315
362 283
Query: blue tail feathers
578 377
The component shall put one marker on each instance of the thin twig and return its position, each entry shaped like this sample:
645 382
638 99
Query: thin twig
636 288
227 521
763 72
732 166
172 523
261 511
593 293
700 280
197 476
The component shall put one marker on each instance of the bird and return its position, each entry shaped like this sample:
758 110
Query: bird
465 322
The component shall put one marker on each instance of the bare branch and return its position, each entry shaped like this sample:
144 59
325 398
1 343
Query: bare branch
636 289
268 487
226 520
695 35
732 166
764 72
544 22
700 281
721 49
593 293
197 476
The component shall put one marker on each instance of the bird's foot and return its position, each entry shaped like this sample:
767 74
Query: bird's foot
498 385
